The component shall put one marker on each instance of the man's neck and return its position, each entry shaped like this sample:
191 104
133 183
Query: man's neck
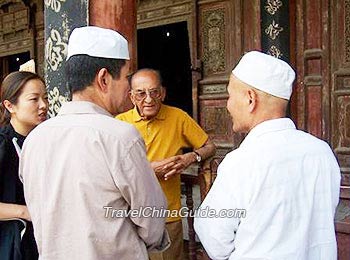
90 95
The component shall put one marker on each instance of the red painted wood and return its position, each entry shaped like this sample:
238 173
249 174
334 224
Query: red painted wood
119 16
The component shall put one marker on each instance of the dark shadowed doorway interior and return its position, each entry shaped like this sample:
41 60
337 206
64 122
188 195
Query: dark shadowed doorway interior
166 48
11 63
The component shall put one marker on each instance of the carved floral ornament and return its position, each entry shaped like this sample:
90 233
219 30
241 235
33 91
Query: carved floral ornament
347 30
214 45
272 6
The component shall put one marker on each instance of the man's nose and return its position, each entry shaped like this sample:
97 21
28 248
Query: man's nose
148 98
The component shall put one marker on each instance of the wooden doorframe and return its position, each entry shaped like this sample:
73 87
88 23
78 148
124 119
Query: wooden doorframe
168 13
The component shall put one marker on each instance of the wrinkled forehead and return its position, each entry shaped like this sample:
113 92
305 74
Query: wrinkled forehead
144 81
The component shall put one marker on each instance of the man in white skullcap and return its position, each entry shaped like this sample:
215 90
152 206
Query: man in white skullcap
275 196
83 171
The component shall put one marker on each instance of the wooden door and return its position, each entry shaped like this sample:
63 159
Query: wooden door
340 113
321 103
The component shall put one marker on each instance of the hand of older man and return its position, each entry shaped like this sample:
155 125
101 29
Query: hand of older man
181 163
163 166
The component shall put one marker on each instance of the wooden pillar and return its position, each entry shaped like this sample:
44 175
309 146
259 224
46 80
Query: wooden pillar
275 28
120 16
117 15
60 20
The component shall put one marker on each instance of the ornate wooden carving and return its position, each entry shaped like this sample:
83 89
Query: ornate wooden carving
213 89
347 30
340 112
151 4
213 120
213 38
342 119
154 12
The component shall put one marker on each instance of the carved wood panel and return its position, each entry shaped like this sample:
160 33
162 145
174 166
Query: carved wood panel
213 40
215 120
322 104
159 12
340 115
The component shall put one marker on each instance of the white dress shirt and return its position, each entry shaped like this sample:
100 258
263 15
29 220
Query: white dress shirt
77 168
288 182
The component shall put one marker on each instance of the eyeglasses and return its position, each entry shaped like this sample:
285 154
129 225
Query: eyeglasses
142 94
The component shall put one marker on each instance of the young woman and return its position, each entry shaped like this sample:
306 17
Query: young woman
23 106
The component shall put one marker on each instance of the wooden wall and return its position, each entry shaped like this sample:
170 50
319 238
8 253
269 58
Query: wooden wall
321 102
220 31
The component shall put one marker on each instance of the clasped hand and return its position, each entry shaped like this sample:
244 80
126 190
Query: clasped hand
172 166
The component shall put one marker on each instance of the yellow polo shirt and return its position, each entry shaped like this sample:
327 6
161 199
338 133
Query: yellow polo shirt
165 136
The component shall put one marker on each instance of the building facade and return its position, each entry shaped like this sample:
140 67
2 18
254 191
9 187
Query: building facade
196 43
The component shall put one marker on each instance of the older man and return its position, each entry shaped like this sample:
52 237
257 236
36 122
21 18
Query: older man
277 193
86 177
166 131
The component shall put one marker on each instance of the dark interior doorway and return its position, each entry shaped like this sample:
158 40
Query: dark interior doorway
166 48
11 63
18 59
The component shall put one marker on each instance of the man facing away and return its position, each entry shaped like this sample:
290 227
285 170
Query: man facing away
286 180
166 131
83 171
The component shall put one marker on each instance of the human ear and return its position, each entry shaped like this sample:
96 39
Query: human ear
8 105
102 79
252 99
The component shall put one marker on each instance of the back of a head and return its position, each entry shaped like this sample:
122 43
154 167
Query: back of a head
266 73
90 49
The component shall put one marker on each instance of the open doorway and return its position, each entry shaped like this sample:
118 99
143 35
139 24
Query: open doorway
11 63
166 48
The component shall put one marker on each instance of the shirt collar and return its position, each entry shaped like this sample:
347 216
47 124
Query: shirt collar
268 126
159 116
82 107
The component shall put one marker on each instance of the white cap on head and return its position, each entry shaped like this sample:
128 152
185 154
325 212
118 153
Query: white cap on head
98 42
266 73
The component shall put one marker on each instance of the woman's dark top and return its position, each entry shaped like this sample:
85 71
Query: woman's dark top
11 191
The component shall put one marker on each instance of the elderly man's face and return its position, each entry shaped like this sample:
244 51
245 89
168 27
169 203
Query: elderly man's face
238 104
147 94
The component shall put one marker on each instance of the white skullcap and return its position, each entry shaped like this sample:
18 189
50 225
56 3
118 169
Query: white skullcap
266 73
98 42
